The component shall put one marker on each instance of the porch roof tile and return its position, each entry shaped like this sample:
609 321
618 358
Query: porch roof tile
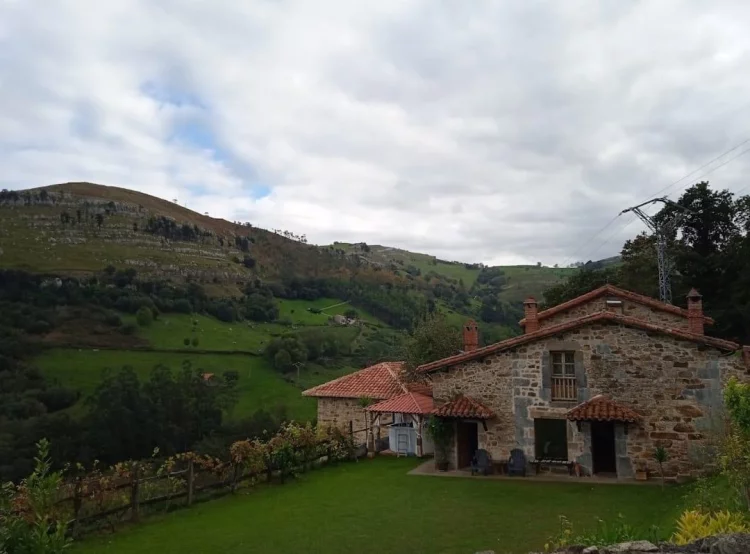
407 403
603 408
464 407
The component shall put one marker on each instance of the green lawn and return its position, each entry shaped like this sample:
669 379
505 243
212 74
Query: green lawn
170 330
297 311
260 386
374 507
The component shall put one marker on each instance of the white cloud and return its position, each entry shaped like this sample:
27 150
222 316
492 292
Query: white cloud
493 131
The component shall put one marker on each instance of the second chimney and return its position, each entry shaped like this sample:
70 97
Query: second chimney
531 310
695 312
471 336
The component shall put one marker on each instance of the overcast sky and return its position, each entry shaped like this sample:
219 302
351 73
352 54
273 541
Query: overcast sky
501 132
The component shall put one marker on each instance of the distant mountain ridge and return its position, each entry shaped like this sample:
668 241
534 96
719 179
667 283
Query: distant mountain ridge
78 228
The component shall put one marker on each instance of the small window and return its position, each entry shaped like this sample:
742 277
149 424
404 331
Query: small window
551 438
614 305
563 364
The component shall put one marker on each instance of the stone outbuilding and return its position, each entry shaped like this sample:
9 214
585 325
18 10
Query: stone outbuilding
597 383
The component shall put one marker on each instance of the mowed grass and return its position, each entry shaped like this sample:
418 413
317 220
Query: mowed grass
259 387
170 331
373 506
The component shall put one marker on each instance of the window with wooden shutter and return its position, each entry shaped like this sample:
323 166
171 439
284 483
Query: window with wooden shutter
564 376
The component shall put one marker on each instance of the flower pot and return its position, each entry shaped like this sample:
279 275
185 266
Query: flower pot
641 475
441 465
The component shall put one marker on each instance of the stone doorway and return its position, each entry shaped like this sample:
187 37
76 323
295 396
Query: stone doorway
603 448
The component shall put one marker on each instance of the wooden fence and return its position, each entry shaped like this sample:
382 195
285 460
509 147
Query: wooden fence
104 500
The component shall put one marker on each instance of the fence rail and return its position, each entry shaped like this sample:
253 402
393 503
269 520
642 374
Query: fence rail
133 493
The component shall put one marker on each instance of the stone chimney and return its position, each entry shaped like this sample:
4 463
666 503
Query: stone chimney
695 312
530 309
471 336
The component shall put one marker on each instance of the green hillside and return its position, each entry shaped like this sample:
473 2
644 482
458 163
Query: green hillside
259 385
522 280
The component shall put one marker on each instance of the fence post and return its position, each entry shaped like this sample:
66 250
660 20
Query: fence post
235 476
77 504
135 493
190 482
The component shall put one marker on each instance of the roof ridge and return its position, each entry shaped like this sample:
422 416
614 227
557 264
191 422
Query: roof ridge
404 387
603 315
608 288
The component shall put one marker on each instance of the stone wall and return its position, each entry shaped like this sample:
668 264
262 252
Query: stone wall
676 385
629 308
338 412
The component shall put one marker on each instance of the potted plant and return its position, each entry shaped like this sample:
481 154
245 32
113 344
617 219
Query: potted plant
441 433
641 472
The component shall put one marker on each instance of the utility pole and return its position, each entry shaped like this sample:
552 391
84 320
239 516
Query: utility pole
662 231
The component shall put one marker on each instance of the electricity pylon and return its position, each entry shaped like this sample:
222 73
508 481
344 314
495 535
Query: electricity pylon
662 231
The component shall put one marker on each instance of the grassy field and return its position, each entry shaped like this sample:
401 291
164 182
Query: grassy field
170 330
374 506
260 386
298 313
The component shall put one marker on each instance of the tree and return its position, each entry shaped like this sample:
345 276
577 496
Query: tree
432 339
144 316
282 361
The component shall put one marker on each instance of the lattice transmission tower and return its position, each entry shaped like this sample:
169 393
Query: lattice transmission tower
662 231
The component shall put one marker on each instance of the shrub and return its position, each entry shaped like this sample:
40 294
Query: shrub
694 525
231 377
195 341
113 319
128 329
144 316
186 341
603 534
31 521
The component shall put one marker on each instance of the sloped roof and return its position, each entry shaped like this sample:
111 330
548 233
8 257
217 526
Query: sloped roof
406 403
599 317
603 408
615 291
465 407
378 382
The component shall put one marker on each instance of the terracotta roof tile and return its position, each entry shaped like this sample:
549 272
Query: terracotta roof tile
406 403
615 291
603 408
464 406
378 382
598 317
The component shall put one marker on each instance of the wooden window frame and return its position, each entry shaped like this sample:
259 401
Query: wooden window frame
564 383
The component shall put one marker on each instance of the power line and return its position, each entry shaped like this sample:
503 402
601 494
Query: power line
669 186
617 231
571 258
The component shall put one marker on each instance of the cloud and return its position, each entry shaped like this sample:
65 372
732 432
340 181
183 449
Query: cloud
503 132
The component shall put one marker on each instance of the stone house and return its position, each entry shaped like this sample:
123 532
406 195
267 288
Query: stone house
366 402
597 383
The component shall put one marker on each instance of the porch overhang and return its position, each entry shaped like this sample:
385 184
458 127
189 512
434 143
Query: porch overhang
464 407
603 408
408 403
